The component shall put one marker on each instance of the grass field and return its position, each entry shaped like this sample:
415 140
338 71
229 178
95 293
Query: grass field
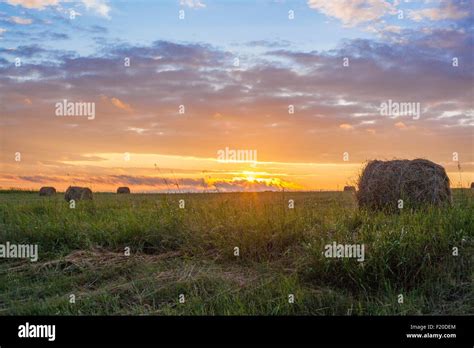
190 251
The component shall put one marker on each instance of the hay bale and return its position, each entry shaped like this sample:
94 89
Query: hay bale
417 182
77 193
47 191
472 185
123 190
349 189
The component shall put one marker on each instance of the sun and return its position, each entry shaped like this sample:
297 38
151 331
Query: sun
250 178
257 179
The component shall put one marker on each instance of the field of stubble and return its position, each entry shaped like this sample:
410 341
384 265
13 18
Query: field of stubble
190 251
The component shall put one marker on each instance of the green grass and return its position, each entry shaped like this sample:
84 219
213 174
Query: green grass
190 251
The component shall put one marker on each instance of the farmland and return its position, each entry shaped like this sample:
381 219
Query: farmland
234 254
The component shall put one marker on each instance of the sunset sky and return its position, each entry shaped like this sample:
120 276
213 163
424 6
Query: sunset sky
400 51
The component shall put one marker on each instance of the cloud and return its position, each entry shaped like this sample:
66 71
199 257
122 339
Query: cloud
149 183
120 104
385 31
346 126
269 43
245 186
448 10
25 51
353 12
371 130
38 178
101 7
136 130
371 12
232 107
34 4
166 74
411 126
171 56
19 20
192 3
400 125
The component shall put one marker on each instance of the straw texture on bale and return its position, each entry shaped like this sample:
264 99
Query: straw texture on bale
349 189
47 191
77 193
417 182
122 190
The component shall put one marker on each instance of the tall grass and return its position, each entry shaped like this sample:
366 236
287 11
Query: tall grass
280 253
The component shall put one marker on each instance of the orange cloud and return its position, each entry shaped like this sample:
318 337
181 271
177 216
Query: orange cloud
351 12
345 126
120 104
400 125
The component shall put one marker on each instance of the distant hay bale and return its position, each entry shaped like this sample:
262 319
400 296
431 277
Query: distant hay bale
472 185
349 189
78 193
122 190
47 191
417 182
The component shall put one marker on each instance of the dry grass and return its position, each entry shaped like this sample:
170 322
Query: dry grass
417 182
77 193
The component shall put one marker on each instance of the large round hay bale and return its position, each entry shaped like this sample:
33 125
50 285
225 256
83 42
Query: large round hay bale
47 191
77 193
123 190
349 189
416 182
